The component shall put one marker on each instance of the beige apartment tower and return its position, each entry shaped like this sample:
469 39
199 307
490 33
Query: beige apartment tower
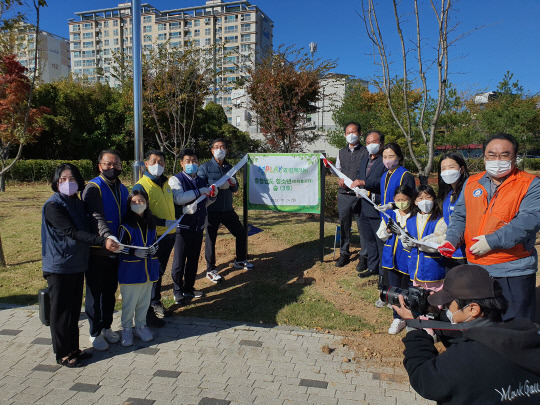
244 29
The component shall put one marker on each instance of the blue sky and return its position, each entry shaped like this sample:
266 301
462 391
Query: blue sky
509 39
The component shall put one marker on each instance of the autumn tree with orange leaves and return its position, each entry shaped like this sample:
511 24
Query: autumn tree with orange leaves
283 88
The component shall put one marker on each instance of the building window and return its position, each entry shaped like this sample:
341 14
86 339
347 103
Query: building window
175 26
76 45
174 35
175 44
106 52
246 27
147 19
197 33
207 21
147 47
162 37
77 63
231 29
207 32
106 33
246 37
116 41
188 24
89 44
208 41
88 35
147 28
196 42
233 38
231 18
88 54
75 37
245 48
87 26
147 38
88 63
161 27
115 32
246 17
106 42
197 23
76 27
77 54
105 24
115 23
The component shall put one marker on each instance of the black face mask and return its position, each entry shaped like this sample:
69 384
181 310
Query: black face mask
111 174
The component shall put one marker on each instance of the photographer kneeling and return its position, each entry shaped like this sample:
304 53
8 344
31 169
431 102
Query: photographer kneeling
486 361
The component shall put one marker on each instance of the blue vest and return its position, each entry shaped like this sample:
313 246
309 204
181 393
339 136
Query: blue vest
114 210
133 269
424 266
394 256
60 253
396 178
194 222
448 210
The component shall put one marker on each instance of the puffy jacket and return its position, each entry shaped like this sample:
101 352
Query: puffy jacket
211 172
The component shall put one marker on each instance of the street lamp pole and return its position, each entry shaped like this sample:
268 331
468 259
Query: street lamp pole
138 163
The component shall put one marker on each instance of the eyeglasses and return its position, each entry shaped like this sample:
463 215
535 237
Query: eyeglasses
506 156
111 164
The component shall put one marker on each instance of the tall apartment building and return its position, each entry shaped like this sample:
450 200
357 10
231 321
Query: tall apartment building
244 29
53 52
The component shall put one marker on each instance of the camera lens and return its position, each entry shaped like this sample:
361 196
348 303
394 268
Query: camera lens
391 295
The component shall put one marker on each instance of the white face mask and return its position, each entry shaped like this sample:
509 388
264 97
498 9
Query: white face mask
425 206
450 315
351 139
138 208
219 154
450 176
156 170
498 168
373 148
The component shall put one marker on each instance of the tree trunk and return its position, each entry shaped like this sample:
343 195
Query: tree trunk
423 179
2 182
2 258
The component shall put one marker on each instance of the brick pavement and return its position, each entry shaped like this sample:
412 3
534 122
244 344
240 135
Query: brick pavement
192 361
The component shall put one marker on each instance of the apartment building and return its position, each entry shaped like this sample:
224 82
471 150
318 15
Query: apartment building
99 38
53 52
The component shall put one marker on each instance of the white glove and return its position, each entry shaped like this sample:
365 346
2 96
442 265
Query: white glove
142 253
190 209
384 208
225 186
152 250
205 191
407 242
481 247
232 181
170 222
115 239
358 191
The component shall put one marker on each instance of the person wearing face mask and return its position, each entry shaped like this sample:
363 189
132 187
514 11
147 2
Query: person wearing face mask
485 361
105 198
222 212
453 173
349 205
426 266
138 269
395 258
187 187
65 242
497 218
161 204
368 182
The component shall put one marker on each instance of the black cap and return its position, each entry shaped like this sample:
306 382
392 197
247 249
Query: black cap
465 282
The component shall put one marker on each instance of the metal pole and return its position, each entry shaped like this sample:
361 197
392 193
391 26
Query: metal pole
244 204
321 217
137 89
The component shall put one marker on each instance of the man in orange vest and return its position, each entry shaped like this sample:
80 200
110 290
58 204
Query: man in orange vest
497 217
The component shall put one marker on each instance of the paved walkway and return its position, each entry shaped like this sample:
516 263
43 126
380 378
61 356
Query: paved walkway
192 361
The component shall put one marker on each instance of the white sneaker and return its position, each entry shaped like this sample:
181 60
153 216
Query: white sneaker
127 337
380 304
143 333
397 326
99 342
243 265
213 276
110 335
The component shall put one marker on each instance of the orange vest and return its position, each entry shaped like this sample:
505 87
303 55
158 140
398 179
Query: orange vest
484 218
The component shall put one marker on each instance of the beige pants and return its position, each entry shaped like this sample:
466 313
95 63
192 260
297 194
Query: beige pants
135 303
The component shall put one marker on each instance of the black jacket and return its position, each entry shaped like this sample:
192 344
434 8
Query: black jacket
495 364
373 183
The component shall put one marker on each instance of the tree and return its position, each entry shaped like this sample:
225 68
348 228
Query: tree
424 128
513 112
283 88
175 85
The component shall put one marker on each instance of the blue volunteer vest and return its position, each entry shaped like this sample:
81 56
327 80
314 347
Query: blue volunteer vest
424 266
60 253
448 210
133 269
114 210
396 178
394 256
194 222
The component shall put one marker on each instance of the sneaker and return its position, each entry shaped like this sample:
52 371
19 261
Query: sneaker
380 303
243 265
193 294
152 320
99 342
362 264
397 326
143 333
342 261
127 337
368 273
110 335
160 310
213 276
179 300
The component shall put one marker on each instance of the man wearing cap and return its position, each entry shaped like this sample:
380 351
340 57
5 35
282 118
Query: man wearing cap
497 217
486 362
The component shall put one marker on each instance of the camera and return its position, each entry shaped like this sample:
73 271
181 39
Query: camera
414 297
